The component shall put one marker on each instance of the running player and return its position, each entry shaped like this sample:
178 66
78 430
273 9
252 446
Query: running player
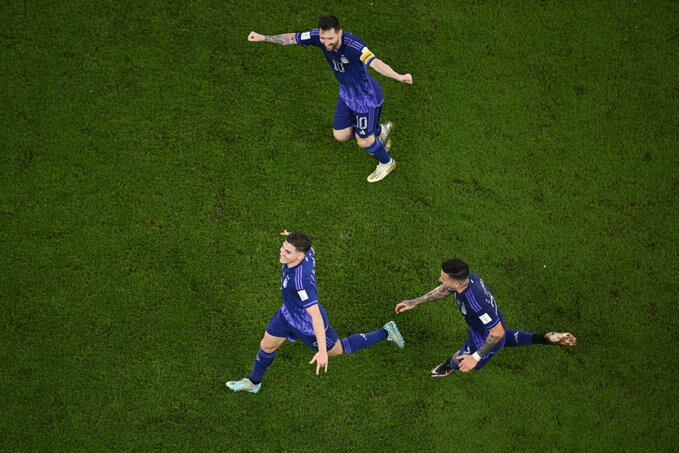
302 317
360 101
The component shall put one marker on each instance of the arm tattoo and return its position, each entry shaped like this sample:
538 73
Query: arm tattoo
490 343
285 39
440 292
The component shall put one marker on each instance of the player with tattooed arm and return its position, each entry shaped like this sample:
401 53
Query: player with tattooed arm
488 332
360 101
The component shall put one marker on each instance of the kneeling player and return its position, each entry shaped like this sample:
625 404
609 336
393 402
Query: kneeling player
302 317
487 329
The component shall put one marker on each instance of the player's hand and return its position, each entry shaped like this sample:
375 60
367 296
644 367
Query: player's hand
404 306
321 359
285 233
467 362
255 37
407 78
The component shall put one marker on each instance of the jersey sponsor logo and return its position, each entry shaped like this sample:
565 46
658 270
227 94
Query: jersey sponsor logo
303 295
485 319
306 35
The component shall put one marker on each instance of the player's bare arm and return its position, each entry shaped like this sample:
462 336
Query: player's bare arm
321 357
286 39
386 70
468 361
438 293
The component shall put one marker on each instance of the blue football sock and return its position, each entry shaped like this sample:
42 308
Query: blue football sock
379 151
515 338
262 362
360 341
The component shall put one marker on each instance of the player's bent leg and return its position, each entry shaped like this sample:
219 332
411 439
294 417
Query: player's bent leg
336 349
343 135
271 343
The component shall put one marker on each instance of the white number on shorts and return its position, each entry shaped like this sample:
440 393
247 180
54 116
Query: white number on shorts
362 122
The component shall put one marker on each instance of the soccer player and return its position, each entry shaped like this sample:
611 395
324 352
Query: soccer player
360 101
302 317
488 333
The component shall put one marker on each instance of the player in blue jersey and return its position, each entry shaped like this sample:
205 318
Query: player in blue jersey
488 332
302 317
360 101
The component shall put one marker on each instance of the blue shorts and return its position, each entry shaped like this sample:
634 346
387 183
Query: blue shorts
364 123
280 327
474 341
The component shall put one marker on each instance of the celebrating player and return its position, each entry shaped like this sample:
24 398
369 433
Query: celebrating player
488 333
360 96
303 317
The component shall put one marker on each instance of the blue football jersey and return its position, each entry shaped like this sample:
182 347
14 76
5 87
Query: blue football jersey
478 306
298 290
349 64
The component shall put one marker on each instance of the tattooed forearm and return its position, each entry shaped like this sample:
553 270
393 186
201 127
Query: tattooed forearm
490 343
285 39
440 292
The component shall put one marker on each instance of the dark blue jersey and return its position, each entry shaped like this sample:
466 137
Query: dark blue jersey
298 290
478 306
349 64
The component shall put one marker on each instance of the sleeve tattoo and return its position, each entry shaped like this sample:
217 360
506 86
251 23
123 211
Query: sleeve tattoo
440 292
490 343
285 39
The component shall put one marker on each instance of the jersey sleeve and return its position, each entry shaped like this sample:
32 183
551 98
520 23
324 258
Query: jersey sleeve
357 49
308 38
485 310
306 290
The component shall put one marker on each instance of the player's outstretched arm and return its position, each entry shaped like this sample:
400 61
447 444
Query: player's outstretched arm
438 293
286 39
384 69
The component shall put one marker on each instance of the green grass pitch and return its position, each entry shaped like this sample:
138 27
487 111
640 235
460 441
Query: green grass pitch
151 155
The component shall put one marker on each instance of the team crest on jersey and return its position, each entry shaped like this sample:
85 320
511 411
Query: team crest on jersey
285 282
463 309
344 60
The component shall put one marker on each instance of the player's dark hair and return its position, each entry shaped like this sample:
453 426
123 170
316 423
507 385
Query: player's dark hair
456 269
300 241
329 22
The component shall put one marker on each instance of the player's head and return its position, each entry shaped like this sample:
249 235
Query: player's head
294 248
454 274
330 32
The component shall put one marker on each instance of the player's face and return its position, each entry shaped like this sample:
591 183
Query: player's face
451 283
288 253
331 39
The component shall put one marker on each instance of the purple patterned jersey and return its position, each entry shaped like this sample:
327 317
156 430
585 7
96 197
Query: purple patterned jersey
298 290
349 64
478 306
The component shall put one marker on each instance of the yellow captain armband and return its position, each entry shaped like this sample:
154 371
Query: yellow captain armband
367 56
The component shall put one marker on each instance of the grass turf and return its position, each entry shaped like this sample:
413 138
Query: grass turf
151 155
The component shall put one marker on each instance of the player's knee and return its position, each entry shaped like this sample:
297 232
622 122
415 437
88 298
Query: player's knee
341 135
336 349
365 142
267 347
